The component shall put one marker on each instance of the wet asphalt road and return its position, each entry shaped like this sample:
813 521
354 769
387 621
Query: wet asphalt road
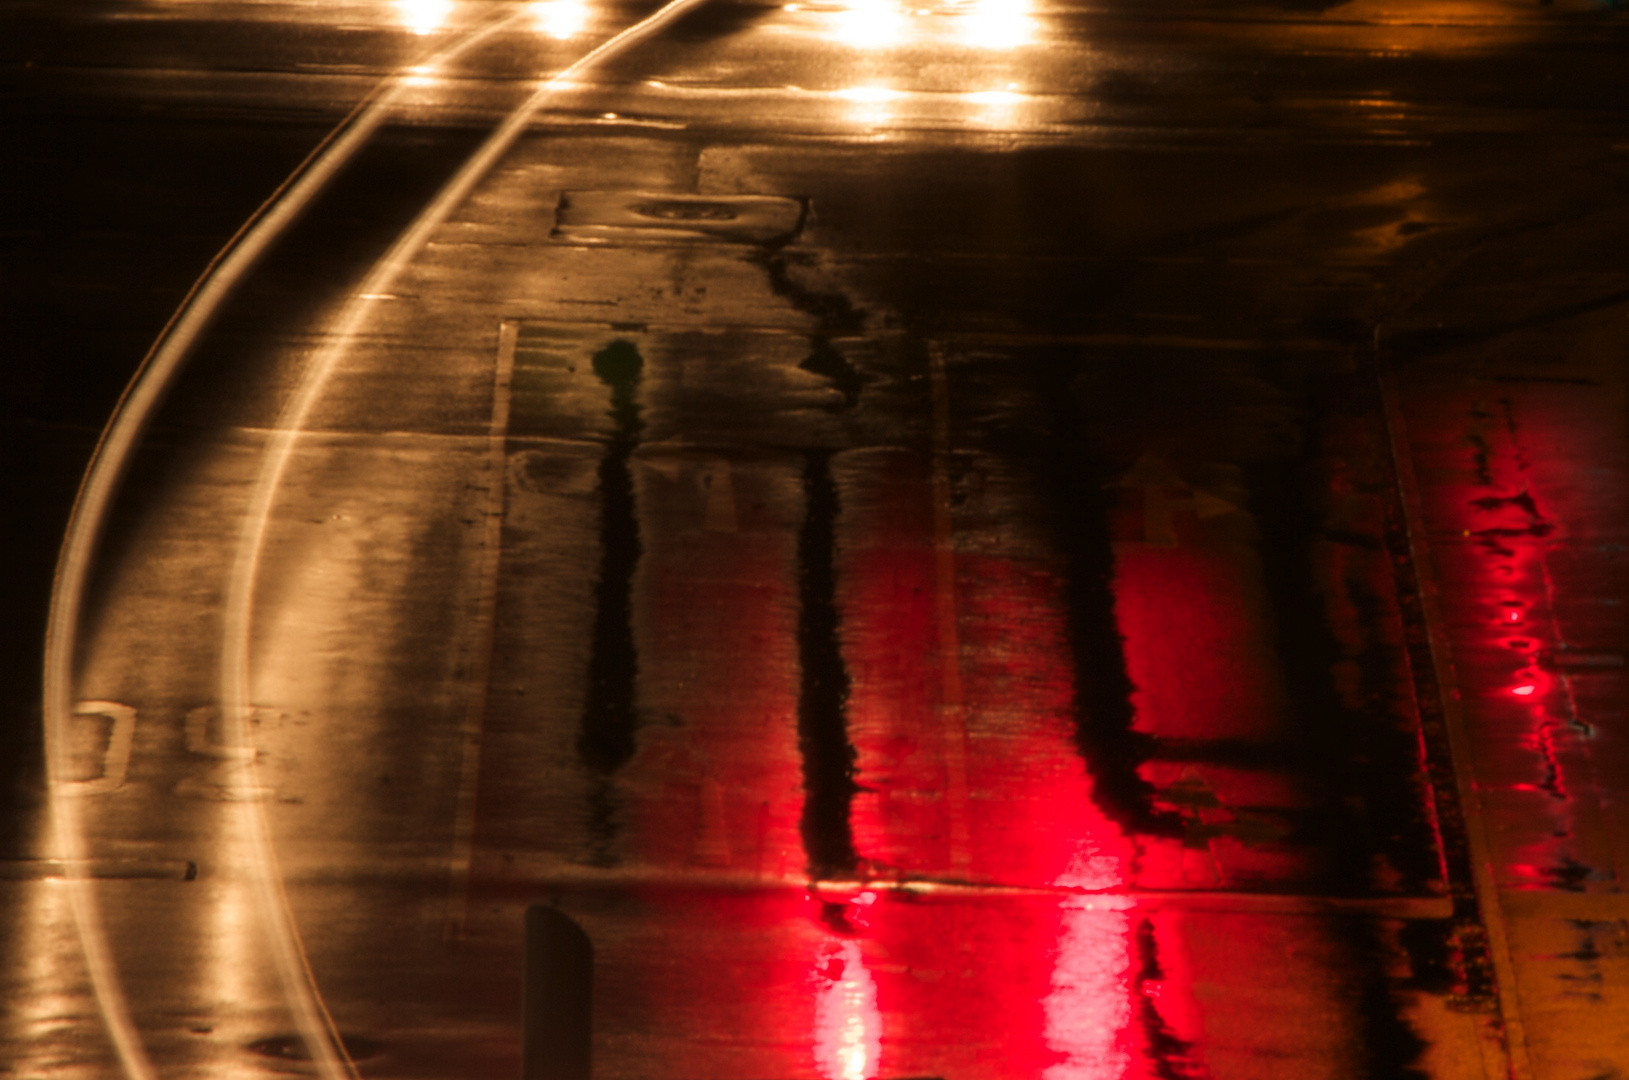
978 541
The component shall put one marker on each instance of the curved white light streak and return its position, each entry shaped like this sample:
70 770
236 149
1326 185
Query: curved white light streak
107 468
316 1029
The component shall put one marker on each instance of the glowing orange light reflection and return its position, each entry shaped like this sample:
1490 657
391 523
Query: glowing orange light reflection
996 24
872 24
561 19
424 16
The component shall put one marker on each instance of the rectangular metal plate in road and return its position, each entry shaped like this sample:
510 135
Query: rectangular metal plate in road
635 216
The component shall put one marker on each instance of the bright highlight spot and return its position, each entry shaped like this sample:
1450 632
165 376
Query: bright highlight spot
1524 690
871 24
996 24
848 1025
424 16
561 19
995 97
1088 1008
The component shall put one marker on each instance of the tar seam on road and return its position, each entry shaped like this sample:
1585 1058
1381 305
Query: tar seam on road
828 756
606 738
478 668
111 459
606 741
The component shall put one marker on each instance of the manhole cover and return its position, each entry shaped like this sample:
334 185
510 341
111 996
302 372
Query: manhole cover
636 216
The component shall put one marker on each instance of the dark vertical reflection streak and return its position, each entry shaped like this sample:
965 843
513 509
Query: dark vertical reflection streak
1076 496
1339 745
828 756
1171 1055
606 740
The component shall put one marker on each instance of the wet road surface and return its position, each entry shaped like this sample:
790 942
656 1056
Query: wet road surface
976 541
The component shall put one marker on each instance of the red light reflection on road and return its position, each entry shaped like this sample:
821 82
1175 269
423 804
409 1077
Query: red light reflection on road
848 1024
1088 1010
1047 990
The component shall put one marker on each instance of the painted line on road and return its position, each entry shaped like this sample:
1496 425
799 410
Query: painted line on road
99 869
953 714
1518 1064
1149 341
478 669
115 758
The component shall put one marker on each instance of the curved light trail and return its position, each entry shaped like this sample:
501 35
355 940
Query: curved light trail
110 462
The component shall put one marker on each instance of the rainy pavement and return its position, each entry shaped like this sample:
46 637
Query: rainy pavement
989 540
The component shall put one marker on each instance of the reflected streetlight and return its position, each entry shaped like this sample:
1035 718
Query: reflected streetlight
995 24
1088 1010
424 16
561 19
870 104
872 24
848 1024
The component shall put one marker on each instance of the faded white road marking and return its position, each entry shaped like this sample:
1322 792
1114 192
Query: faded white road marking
479 667
116 757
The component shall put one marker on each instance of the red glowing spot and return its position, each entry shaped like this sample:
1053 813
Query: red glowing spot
1524 690
1513 616
848 1025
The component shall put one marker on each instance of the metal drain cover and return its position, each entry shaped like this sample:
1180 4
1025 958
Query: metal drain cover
634 216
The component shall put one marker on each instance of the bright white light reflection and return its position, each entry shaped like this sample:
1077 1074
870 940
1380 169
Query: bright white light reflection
996 24
872 24
848 1025
424 16
870 105
1089 1005
996 107
561 19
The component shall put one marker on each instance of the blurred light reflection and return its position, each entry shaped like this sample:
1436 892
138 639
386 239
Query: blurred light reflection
995 24
424 16
1088 1008
561 19
848 1025
870 105
872 24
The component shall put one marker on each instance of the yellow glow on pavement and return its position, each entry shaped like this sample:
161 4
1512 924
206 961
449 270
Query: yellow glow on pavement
424 16
561 19
873 24
995 24
870 105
